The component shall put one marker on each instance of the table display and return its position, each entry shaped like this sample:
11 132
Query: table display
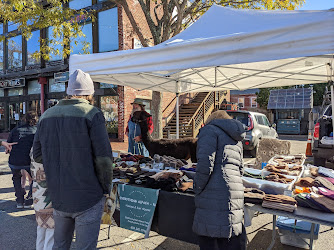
284 187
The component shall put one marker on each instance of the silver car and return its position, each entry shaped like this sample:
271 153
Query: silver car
257 127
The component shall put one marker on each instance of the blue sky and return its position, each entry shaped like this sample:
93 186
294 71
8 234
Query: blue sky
317 5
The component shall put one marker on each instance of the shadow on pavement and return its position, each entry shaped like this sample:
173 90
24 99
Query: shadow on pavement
10 207
170 243
7 190
262 240
17 233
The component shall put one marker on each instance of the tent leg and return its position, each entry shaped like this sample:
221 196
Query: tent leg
177 117
332 99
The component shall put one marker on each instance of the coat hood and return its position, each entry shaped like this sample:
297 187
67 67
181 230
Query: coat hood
233 128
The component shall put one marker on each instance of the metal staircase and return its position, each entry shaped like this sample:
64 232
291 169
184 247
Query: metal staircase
193 115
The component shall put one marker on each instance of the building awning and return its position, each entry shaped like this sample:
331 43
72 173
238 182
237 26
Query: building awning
300 98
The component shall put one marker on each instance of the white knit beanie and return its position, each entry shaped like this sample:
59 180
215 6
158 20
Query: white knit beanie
80 83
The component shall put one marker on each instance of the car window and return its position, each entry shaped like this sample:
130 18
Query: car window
262 120
265 121
259 119
241 117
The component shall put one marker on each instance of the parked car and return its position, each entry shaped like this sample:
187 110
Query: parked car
323 127
257 127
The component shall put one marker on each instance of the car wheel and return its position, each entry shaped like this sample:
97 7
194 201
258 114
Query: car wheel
317 161
253 152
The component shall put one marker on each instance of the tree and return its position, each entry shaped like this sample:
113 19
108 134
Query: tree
167 18
262 97
318 92
31 14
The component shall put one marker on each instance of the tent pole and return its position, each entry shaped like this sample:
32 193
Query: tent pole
177 117
332 99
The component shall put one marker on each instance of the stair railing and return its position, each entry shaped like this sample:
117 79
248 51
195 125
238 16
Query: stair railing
210 102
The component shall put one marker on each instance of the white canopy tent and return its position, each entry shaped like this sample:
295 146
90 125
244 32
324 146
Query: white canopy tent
226 49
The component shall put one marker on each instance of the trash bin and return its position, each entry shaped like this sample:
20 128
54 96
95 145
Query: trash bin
296 232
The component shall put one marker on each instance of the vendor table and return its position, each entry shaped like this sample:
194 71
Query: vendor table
175 211
301 213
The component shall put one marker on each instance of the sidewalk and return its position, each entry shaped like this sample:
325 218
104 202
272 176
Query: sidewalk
4 169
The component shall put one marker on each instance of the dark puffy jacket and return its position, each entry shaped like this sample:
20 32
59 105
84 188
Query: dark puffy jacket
218 185
24 135
72 143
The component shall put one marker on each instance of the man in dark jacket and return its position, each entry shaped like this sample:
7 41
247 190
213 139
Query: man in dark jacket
218 186
19 157
73 144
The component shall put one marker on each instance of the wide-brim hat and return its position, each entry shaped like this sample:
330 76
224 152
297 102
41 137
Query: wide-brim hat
138 101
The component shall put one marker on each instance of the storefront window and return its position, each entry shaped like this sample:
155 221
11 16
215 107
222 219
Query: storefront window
108 30
33 46
1 49
15 114
34 87
15 91
35 106
78 49
109 107
12 26
15 52
54 57
79 4
56 87
2 92
1 56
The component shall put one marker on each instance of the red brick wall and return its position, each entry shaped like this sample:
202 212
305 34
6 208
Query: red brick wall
126 36
247 98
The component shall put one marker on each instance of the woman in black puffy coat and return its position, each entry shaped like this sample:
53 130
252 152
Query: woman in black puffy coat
218 186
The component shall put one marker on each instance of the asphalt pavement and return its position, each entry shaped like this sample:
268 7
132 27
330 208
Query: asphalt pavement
18 227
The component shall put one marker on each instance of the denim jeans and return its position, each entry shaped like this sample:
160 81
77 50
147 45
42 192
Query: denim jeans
19 191
86 225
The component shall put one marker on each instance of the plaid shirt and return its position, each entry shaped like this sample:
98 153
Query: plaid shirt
149 124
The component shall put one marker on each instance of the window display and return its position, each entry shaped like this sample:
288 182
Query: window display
109 107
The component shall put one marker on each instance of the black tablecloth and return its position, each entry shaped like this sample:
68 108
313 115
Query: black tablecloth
174 216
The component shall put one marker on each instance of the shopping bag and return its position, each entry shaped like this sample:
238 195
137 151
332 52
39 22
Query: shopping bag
109 207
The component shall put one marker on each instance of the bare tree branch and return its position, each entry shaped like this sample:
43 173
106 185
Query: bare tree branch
135 27
155 29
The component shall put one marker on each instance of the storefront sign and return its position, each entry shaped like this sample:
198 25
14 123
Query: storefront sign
14 83
61 77
137 207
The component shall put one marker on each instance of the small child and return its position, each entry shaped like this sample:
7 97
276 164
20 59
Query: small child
43 207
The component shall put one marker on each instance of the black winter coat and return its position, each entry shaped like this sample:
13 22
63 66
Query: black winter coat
218 185
24 136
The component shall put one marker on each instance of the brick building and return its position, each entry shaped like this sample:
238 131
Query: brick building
27 83
246 99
